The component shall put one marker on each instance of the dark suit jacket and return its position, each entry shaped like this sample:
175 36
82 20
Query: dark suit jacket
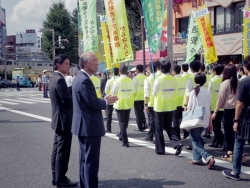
87 116
61 101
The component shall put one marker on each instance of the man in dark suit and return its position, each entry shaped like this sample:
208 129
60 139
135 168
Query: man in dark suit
87 119
62 112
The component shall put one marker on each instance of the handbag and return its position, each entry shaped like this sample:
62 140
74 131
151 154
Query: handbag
193 118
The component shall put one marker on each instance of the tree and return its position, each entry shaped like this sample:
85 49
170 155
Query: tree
60 19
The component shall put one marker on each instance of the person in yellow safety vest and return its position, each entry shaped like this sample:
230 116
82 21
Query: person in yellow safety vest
187 75
213 88
139 99
202 70
108 89
194 67
123 88
158 69
149 100
165 93
181 87
97 83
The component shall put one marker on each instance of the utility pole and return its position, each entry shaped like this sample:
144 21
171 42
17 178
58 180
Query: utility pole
53 48
247 3
5 71
170 32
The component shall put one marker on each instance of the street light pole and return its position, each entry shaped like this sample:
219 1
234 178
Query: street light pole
5 71
53 48
170 32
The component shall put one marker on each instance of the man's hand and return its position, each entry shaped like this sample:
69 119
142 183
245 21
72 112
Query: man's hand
235 127
111 99
146 109
185 108
213 116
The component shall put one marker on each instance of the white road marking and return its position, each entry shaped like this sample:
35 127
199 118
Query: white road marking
185 154
43 99
34 100
19 101
11 103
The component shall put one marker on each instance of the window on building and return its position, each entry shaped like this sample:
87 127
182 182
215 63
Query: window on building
50 65
183 24
228 20
8 62
39 64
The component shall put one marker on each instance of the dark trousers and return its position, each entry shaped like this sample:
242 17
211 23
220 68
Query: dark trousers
139 114
45 94
151 122
228 128
17 86
109 117
123 118
177 116
60 155
218 134
163 120
39 87
89 161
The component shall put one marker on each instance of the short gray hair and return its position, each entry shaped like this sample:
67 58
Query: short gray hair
84 58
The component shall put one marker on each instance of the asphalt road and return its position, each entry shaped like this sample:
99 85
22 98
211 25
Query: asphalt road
26 143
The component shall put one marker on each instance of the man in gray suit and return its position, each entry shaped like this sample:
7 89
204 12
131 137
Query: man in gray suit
87 119
62 112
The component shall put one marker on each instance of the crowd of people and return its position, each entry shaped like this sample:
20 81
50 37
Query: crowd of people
164 95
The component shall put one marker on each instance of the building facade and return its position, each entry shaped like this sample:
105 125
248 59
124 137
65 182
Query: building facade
226 21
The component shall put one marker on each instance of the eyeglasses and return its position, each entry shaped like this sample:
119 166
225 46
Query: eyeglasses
95 59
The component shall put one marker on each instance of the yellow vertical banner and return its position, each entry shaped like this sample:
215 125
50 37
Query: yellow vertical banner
105 39
246 32
118 30
202 17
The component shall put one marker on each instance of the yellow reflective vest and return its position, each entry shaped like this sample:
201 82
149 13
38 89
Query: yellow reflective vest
165 99
139 94
97 84
215 88
150 80
181 89
207 81
125 94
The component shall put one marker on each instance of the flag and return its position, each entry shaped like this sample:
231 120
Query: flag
89 25
246 32
194 42
202 18
154 15
118 31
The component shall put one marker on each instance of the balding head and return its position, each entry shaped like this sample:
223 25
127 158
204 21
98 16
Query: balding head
89 62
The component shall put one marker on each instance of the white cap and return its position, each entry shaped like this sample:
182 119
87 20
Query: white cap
44 71
133 69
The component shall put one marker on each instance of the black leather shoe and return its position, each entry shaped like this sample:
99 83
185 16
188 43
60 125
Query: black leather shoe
119 136
149 139
189 148
160 153
213 145
68 183
125 145
178 149
107 131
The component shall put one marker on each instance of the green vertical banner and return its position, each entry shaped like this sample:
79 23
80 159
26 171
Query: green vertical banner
194 42
154 15
118 30
89 24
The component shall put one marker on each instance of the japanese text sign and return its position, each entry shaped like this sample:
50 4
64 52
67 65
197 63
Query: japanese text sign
89 25
154 14
246 32
194 42
118 30
202 17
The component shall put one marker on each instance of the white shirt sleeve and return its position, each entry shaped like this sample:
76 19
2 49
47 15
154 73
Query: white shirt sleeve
210 87
191 100
135 84
156 87
189 87
147 88
107 87
115 89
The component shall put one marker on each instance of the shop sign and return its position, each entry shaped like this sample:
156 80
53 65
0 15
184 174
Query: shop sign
228 40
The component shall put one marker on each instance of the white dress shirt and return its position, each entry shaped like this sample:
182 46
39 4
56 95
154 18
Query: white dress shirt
68 80
109 86
244 76
86 73
147 88
204 99
116 86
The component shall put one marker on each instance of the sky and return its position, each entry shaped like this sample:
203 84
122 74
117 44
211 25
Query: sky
28 14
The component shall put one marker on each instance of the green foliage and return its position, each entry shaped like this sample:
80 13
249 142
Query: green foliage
61 20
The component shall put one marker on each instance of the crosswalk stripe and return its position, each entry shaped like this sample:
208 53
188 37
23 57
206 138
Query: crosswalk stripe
34 100
11 103
19 101
44 99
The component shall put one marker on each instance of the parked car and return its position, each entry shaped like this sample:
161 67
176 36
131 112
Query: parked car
7 83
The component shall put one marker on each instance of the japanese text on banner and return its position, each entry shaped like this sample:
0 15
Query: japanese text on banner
119 31
154 15
246 32
202 17
194 42
89 25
